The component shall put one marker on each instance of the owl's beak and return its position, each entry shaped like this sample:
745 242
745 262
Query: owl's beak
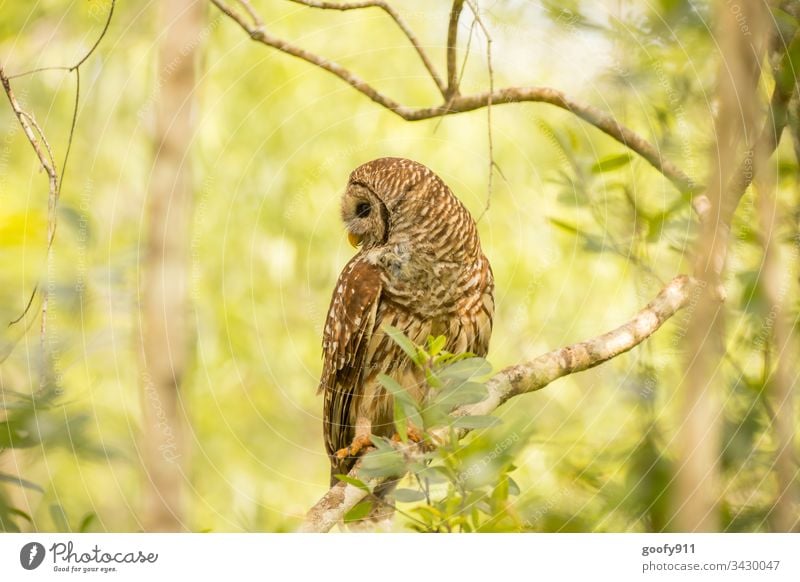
355 239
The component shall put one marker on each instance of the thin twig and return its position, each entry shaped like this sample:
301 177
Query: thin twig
83 59
474 8
99 38
71 126
251 11
24 311
29 125
55 178
452 49
401 24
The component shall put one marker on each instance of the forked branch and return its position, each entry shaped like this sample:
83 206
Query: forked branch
461 104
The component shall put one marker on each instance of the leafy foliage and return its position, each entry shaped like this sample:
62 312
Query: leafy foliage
454 486
39 420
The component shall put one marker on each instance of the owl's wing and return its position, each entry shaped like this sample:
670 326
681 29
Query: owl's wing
348 330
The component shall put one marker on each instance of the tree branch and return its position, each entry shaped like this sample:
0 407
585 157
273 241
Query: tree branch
452 39
529 377
48 164
401 24
461 104
29 125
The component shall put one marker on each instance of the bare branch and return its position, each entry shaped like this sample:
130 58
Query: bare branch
477 17
461 104
452 39
49 163
251 12
45 156
401 24
530 377
83 59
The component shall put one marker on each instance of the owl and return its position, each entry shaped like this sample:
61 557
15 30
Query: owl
419 268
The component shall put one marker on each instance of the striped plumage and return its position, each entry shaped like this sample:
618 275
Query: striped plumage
419 268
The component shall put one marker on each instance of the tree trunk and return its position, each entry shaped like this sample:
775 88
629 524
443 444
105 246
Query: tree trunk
740 36
165 331
778 274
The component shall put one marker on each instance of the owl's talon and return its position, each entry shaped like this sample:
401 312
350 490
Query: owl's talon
414 434
359 443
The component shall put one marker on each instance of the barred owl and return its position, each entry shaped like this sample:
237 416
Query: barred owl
419 268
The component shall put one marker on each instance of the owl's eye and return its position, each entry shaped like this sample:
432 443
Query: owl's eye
363 209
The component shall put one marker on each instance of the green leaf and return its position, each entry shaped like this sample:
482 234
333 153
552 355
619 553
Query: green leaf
20 482
86 522
354 482
436 344
466 369
8 526
413 415
456 395
400 422
401 340
786 75
432 379
476 421
611 163
359 511
394 388
383 444
436 475
435 414
409 495
59 517
383 464
20 513
404 406
563 225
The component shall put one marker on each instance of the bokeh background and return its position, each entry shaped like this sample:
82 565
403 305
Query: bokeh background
580 235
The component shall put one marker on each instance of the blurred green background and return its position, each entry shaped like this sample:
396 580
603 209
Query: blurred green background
579 235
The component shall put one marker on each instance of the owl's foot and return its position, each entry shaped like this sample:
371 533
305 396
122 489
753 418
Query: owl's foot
415 435
359 443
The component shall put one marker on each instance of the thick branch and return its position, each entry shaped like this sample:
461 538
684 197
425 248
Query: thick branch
460 104
530 377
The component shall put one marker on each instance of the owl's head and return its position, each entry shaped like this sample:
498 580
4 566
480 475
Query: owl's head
383 196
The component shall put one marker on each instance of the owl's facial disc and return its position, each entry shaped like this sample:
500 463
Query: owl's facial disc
364 216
